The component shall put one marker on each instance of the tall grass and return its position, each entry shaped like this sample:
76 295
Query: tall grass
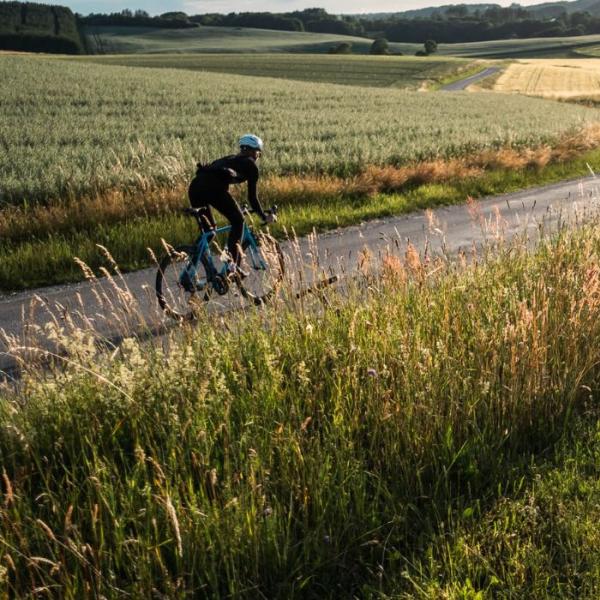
301 451
538 539
20 223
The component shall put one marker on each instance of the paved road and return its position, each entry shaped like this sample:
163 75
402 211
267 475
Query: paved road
463 84
119 307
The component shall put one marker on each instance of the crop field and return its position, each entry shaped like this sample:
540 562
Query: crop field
431 433
72 129
552 78
407 72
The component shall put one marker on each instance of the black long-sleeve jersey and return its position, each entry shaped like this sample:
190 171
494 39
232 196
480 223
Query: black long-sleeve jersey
232 169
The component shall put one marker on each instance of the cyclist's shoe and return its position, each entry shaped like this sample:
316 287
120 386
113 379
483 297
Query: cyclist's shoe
187 284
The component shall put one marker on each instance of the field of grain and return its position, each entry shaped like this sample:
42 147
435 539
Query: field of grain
429 429
552 78
407 72
71 130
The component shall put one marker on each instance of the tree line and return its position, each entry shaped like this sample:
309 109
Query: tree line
44 28
480 27
32 27
457 23
139 18
315 20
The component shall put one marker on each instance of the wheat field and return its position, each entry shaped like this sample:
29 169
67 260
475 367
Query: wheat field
552 78
71 129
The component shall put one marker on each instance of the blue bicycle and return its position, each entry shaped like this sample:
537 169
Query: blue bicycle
187 274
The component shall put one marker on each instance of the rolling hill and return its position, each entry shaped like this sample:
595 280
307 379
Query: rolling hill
126 40
144 40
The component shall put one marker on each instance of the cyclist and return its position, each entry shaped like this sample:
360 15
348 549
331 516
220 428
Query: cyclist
210 188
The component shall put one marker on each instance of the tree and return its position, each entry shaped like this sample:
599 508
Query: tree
380 46
430 46
458 11
330 25
341 48
174 15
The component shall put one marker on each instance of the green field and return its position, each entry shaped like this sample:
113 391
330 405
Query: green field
428 430
429 434
118 40
136 40
560 47
590 52
407 72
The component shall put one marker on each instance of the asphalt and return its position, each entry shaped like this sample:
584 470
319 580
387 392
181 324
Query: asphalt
463 84
126 304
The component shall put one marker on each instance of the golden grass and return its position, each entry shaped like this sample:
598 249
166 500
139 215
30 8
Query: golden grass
552 78
76 214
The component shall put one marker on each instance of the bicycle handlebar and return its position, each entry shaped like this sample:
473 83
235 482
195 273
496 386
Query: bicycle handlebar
247 210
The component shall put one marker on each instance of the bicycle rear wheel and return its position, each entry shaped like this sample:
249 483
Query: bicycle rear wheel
265 267
179 294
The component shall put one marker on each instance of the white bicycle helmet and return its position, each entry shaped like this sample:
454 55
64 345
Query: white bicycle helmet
251 141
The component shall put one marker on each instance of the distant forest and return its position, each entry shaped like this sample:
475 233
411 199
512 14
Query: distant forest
31 27
454 23
44 28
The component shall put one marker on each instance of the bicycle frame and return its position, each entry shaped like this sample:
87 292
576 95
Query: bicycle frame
202 250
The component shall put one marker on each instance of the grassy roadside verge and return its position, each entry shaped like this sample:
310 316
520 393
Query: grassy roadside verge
48 258
318 453
537 538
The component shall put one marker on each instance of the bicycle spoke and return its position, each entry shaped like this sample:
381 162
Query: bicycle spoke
264 266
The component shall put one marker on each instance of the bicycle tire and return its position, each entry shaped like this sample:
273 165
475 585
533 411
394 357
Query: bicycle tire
173 298
261 283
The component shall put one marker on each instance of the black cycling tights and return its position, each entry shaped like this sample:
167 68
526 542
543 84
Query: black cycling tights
228 207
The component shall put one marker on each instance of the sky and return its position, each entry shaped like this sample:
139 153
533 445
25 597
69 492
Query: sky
193 7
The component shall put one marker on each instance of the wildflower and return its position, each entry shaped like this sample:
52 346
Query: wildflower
371 372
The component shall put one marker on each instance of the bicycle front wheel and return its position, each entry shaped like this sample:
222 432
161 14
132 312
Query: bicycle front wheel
265 267
178 289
